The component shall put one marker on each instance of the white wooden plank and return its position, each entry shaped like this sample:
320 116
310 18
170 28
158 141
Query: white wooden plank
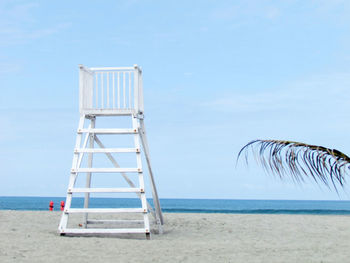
140 89
108 131
111 68
105 210
107 170
136 89
105 231
130 104
107 150
107 88
113 80
117 221
118 87
124 96
105 190
102 91
96 90
109 112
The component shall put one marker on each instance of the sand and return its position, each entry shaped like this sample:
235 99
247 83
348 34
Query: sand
31 237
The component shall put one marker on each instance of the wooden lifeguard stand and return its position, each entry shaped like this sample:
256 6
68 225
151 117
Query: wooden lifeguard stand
112 92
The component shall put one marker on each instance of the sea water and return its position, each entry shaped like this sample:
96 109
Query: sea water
190 205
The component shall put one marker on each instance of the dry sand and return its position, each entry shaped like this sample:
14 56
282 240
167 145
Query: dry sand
32 237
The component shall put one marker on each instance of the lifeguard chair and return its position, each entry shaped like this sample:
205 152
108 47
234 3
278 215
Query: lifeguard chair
113 93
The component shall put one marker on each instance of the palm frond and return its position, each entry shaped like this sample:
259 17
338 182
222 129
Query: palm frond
300 160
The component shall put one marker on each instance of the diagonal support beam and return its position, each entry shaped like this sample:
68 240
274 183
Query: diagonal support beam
83 147
127 179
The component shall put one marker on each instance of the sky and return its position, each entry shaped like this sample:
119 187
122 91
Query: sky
217 74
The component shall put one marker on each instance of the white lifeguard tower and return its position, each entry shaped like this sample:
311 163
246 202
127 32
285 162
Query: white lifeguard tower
114 93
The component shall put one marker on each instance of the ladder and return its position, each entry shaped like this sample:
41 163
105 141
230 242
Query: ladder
112 92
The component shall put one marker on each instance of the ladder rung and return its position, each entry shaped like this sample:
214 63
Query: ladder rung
118 221
107 150
109 112
105 190
107 170
104 231
105 210
108 131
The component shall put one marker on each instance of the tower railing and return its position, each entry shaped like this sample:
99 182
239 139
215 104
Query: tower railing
110 90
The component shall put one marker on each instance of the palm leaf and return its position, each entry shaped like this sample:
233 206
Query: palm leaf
299 161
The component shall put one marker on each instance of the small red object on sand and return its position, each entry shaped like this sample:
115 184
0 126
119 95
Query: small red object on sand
51 206
62 205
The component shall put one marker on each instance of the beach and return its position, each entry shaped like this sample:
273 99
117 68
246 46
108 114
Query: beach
31 236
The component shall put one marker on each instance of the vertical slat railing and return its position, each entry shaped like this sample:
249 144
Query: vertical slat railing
111 88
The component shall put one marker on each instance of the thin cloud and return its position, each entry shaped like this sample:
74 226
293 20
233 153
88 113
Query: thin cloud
6 67
318 93
336 11
18 24
272 13
12 36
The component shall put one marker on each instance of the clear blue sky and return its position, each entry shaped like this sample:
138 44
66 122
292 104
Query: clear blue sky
217 74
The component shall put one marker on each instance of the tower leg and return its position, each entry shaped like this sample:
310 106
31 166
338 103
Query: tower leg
159 215
135 125
73 176
88 175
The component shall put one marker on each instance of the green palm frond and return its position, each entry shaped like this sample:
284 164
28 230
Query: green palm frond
300 160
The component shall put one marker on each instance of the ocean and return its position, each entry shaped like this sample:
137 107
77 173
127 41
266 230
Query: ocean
190 205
